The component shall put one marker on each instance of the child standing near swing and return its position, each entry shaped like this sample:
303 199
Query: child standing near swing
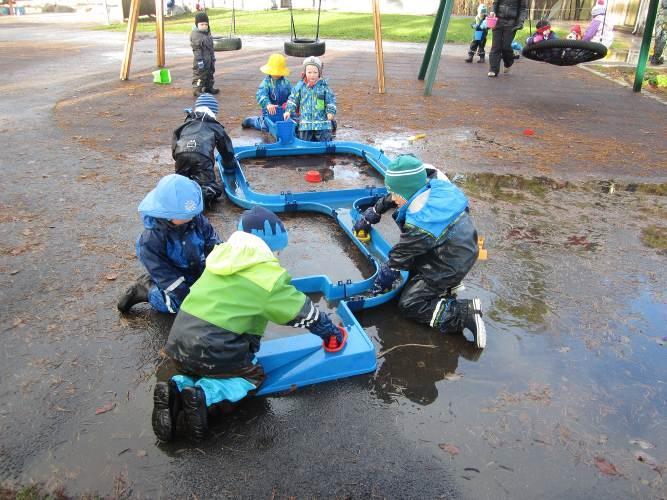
315 101
479 39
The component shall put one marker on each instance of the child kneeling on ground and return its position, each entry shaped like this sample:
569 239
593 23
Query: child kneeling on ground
173 247
220 325
438 246
316 103
272 93
193 147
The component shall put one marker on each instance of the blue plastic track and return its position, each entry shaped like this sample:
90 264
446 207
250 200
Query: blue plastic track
300 360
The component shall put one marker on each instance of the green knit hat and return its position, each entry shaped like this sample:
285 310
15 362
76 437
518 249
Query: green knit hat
405 176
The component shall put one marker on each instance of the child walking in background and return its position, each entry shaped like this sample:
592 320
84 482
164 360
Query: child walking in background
272 93
203 66
173 247
315 101
479 39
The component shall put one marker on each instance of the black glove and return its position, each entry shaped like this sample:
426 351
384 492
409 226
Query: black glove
324 328
518 27
384 204
385 279
370 216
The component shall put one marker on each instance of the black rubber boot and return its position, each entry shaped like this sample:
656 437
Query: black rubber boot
461 314
197 91
481 59
135 294
166 407
196 413
213 91
248 122
470 54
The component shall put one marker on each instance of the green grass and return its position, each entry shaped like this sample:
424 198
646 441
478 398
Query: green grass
341 25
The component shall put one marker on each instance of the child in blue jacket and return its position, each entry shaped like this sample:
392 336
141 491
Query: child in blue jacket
173 247
314 100
272 93
479 39
438 246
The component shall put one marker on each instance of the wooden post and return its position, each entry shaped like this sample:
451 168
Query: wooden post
437 48
129 39
379 52
159 31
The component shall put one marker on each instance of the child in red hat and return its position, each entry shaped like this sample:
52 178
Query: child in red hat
543 32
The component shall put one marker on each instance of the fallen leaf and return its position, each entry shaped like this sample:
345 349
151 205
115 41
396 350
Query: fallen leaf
103 409
606 467
645 458
644 445
15 271
111 277
449 448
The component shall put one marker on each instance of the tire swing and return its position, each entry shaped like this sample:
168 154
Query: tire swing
225 43
305 47
565 52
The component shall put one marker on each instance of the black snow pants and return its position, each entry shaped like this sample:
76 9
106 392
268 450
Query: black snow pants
199 168
424 300
501 46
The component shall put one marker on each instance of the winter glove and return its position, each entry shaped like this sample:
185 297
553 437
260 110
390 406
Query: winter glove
324 329
385 279
384 204
200 65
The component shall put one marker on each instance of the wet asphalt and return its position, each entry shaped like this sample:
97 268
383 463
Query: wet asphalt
575 303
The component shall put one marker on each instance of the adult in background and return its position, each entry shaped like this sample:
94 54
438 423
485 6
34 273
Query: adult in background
511 15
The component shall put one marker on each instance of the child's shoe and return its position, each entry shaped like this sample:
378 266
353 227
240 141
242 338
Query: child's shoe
135 294
166 407
248 122
507 69
469 60
196 412
213 91
481 59
472 309
492 74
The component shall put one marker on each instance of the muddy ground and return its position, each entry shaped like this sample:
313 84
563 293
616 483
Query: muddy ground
567 400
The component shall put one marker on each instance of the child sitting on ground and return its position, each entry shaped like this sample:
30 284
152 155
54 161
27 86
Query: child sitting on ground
173 247
193 147
221 323
542 32
438 246
315 101
272 93
203 66
575 33
479 39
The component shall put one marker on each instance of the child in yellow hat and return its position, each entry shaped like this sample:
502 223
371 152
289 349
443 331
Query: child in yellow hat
272 93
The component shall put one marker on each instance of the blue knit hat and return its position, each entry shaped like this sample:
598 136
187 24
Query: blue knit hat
208 101
405 176
174 197
265 224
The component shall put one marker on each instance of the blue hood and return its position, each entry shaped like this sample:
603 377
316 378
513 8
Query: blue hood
174 197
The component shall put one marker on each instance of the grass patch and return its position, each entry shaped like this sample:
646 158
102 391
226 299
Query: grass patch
655 237
333 25
653 77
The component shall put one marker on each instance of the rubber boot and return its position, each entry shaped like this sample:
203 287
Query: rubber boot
197 91
481 59
461 314
166 407
248 122
196 413
469 59
135 294
213 91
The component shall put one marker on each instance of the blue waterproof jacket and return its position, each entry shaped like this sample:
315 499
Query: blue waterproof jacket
272 91
313 104
175 256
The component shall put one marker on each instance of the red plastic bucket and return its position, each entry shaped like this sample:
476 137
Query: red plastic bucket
313 176
491 22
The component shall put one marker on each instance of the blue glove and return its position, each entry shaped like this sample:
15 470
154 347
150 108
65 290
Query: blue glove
324 328
200 65
370 216
385 279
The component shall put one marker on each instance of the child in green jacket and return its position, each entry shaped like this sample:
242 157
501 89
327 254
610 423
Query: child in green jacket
222 320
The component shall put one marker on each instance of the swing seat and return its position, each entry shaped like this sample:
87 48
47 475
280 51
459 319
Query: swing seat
564 52
225 43
304 47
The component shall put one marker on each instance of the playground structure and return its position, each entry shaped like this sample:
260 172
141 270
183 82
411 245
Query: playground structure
301 360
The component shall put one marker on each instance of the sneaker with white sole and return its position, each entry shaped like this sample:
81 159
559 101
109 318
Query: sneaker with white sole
492 74
474 321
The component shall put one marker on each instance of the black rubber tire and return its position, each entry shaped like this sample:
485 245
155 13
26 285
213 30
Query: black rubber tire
304 47
223 43
564 52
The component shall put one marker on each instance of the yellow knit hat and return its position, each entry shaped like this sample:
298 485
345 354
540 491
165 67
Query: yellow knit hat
276 66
